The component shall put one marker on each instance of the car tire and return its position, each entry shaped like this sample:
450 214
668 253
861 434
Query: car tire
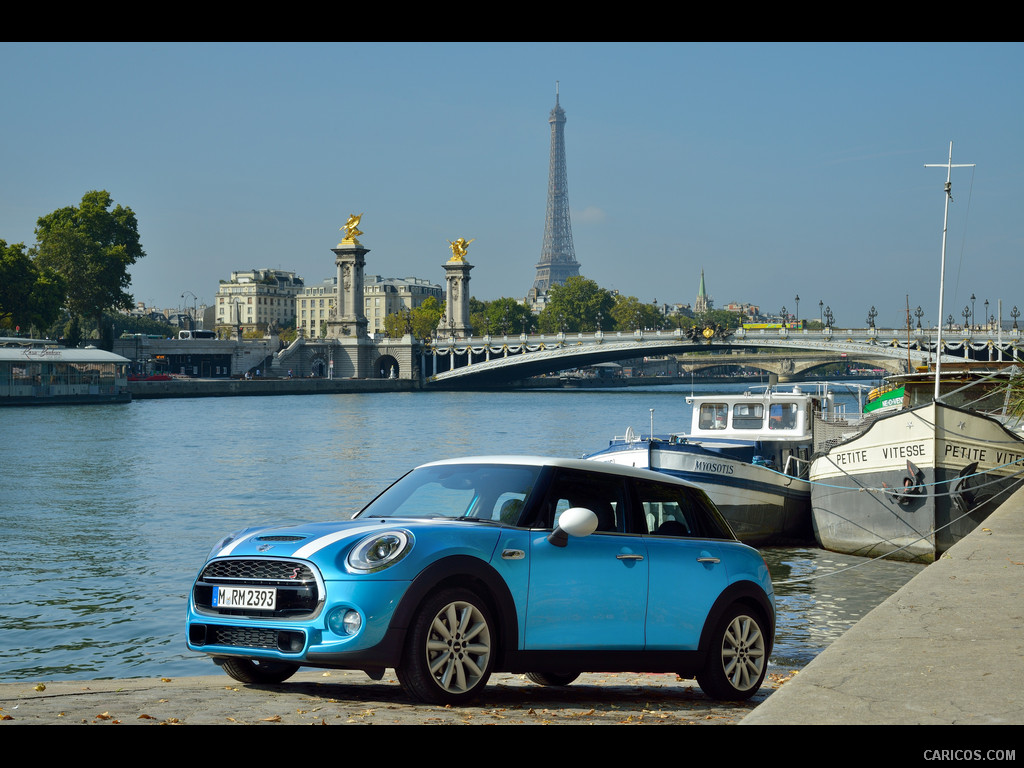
738 657
552 678
257 670
450 648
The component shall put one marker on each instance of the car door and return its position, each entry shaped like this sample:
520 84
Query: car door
592 593
686 568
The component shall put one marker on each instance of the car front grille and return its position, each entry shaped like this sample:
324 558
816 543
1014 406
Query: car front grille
286 641
299 590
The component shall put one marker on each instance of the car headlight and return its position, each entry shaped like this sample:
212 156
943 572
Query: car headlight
379 551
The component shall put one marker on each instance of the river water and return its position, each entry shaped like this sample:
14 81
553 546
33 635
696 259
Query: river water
107 512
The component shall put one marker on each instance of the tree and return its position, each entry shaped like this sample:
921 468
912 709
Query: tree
630 313
576 306
91 248
501 316
424 319
30 294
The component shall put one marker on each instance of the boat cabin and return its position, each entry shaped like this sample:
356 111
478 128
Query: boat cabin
753 416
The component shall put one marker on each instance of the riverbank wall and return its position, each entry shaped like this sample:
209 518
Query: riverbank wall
946 649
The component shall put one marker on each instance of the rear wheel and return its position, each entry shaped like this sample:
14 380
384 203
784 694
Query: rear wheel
552 678
257 670
738 657
450 648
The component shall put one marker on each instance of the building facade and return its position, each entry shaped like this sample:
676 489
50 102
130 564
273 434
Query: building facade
257 299
382 296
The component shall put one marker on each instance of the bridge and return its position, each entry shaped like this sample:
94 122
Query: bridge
491 361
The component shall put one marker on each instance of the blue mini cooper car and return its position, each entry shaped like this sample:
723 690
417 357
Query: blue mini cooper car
549 567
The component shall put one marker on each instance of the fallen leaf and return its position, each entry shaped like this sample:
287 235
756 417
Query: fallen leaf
273 719
40 687
146 717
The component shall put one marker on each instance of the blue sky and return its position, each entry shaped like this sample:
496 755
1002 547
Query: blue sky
781 169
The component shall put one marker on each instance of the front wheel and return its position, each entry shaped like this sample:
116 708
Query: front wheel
450 649
738 658
257 670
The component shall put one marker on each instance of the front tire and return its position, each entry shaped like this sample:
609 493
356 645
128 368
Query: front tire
738 657
257 670
450 648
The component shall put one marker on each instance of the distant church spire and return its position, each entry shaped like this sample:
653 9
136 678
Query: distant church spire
703 302
558 256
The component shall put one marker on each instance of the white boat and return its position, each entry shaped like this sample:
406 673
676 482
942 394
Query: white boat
915 480
34 372
750 452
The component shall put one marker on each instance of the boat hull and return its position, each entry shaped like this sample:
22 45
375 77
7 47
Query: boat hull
913 483
761 505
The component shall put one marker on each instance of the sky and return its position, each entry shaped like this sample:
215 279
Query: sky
781 170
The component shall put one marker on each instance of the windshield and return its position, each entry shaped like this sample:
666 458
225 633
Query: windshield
479 491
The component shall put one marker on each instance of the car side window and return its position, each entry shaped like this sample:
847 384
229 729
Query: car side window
672 510
604 495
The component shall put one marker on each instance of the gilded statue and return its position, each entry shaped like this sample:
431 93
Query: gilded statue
351 230
459 248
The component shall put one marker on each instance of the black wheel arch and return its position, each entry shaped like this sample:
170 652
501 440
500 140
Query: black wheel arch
465 572
744 593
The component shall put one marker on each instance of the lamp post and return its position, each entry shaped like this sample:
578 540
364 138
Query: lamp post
872 314
972 311
829 317
986 315
821 320
968 315
195 302
1015 313
797 318
919 313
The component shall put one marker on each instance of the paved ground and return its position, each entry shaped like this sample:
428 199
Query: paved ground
333 697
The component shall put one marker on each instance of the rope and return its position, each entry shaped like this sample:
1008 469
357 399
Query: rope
872 560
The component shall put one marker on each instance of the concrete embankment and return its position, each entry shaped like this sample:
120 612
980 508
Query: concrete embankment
146 390
946 649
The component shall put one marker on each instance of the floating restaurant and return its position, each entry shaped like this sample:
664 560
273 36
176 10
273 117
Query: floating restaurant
38 372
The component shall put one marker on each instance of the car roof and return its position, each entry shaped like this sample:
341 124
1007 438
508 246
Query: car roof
581 464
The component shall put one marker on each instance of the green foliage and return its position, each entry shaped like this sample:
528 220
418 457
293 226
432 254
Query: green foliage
578 305
73 332
629 314
500 316
91 248
30 294
722 317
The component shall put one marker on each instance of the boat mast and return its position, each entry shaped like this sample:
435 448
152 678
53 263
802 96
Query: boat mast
949 166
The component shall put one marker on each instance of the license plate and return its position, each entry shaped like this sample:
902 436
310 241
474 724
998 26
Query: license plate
256 598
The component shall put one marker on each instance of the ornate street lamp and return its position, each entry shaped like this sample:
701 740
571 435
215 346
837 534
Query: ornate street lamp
972 310
986 310
829 317
949 321
821 321
872 314
919 313
1015 313
797 318
968 315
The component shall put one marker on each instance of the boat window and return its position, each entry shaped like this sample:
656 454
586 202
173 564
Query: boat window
747 416
713 415
782 416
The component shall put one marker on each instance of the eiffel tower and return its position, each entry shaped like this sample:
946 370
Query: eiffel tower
557 256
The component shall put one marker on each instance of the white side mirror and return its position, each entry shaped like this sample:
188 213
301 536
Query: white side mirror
575 521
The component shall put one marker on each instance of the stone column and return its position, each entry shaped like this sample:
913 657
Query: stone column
348 320
456 317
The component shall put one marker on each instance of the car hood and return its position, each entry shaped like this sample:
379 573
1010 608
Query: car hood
318 541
